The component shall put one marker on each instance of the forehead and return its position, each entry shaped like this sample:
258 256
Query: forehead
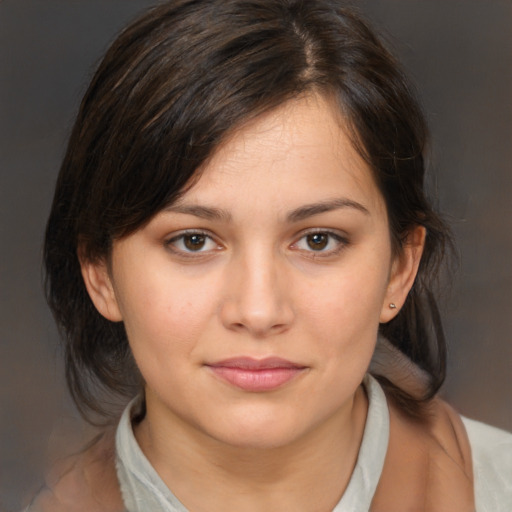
296 154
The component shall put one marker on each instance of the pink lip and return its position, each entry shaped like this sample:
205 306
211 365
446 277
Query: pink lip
256 374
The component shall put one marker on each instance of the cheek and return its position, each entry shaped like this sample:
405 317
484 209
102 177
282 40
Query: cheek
345 312
164 317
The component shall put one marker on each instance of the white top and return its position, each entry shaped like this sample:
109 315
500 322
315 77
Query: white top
144 490
491 449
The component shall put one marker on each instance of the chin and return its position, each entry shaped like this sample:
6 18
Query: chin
260 441
259 432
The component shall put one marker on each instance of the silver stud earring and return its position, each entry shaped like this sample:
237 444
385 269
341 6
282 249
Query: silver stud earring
392 305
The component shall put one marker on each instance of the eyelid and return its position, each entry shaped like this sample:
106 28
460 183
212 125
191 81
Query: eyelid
174 237
340 237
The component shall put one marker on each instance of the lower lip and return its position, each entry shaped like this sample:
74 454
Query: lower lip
266 379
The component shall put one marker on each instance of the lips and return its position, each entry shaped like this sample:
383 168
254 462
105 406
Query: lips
256 375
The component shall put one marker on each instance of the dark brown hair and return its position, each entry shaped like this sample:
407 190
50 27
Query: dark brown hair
168 91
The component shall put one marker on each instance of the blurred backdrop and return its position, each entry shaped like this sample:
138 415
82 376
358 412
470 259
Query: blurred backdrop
460 56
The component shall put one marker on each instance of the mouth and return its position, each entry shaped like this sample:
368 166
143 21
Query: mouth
256 375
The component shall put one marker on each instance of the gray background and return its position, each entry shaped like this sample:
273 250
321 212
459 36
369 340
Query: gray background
460 55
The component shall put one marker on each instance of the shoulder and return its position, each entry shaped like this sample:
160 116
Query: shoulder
84 482
492 466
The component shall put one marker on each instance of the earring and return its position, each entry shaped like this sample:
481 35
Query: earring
392 305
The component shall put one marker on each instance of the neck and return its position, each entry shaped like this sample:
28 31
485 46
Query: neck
310 473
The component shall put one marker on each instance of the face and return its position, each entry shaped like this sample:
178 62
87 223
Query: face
252 305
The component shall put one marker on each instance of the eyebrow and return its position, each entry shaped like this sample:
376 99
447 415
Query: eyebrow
312 209
203 212
301 213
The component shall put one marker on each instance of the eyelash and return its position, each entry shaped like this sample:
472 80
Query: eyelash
171 244
340 241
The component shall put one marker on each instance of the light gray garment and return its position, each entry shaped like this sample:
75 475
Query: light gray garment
492 466
144 490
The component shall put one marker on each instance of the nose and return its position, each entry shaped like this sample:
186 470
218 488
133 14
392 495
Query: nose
258 296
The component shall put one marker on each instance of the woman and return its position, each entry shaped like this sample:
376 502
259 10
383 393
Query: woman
240 243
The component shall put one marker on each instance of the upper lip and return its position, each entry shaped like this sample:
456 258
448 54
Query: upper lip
249 363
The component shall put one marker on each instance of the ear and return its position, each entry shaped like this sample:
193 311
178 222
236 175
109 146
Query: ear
403 272
101 291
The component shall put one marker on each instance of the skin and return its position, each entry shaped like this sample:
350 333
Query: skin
259 283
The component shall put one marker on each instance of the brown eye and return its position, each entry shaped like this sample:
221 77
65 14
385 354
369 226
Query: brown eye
321 244
194 242
317 241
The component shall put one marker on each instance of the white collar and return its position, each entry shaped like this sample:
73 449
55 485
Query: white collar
144 490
